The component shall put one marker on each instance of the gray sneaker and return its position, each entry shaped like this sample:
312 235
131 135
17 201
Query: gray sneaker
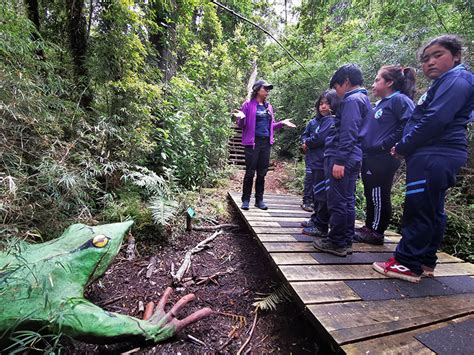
349 249
308 223
314 232
327 246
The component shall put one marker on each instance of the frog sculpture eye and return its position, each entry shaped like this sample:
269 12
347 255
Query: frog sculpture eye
100 241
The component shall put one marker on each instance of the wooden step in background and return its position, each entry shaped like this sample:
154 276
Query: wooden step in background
237 150
354 308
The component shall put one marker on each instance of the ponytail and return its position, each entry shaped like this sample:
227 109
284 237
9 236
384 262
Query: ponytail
403 78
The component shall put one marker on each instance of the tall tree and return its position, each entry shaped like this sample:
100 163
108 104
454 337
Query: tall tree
77 33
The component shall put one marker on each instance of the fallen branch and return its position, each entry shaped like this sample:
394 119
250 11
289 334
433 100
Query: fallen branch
178 276
151 267
212 278
196 340
213 228
130 247
250 335
109 301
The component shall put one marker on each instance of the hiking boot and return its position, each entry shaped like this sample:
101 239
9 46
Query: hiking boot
307 207
308 223
393 268
260 204
428 271
327 246
368 236
245 205
315 232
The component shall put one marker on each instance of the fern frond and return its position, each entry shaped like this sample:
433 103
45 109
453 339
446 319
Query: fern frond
163 209
270 302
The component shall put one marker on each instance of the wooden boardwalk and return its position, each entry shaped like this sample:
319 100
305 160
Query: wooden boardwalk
354 308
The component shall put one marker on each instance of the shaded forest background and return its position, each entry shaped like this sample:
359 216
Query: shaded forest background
120 109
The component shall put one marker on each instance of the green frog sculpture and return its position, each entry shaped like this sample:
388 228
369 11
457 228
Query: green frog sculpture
42 285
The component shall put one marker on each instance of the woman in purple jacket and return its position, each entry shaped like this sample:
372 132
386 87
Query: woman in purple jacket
257 120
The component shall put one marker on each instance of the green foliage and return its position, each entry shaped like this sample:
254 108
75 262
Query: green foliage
162 76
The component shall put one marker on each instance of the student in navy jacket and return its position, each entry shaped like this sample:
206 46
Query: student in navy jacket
434 145
343 156
395 86
315 135
307 203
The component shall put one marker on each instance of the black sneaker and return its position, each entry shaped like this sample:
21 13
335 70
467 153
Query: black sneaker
368 236
308 223
245 205
327 246
315 232
362 230
307 207
261 205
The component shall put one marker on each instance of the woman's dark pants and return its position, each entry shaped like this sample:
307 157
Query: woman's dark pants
257 159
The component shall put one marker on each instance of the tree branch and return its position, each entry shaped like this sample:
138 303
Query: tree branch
261 29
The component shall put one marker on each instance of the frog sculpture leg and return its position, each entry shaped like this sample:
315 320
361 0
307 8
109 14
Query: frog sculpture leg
43 285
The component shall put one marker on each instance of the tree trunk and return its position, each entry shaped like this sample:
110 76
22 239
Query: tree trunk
77 32
33 15
165 41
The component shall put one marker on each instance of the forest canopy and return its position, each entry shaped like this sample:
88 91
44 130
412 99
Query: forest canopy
111 109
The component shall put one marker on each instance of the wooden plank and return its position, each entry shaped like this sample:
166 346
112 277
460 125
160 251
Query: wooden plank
293 259
268 237
302 247
308 259
269 218
264 224
277 212
329 272
359 272
400 343
324 292
351 321
277 230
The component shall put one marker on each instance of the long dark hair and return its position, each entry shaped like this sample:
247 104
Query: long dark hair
451 42
403 78
333 99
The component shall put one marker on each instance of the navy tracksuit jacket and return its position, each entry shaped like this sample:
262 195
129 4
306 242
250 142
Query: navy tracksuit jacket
434 144
315 139
378 166
308 158
344 147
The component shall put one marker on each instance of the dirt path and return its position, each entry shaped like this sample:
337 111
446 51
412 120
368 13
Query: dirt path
247 273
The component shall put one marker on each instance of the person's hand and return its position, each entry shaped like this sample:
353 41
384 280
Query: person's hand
287 122
304 148
394 153
338 171
238 114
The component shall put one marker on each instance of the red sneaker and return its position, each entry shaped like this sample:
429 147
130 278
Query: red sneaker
394 269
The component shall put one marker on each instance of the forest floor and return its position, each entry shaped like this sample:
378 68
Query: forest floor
246 274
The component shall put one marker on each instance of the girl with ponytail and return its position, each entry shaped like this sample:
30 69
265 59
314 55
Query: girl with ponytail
395 85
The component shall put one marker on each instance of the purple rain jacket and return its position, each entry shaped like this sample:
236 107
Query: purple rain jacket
249 108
